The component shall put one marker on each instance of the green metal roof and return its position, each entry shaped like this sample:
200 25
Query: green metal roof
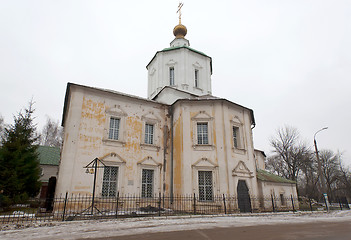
270 177
49 155
179 47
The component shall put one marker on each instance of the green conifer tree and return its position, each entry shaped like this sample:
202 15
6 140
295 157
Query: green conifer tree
19 164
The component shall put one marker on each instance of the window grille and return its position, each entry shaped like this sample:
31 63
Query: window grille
109 184
147 182
235 136
114 128
205 186
171 76
202 133
149 134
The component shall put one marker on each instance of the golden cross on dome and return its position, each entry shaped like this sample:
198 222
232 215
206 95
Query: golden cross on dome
179 11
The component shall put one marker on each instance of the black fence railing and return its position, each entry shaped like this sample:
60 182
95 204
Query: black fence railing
77 207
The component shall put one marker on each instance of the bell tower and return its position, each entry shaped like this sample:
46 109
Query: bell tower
180 67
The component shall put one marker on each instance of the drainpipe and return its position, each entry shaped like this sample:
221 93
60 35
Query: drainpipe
165 138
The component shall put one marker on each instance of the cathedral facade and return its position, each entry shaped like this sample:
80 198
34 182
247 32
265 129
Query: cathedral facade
180 140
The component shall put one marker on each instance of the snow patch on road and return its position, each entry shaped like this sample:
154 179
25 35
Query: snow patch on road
119 227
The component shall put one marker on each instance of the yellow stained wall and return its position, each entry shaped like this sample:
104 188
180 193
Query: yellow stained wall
90 142
178 154
91 126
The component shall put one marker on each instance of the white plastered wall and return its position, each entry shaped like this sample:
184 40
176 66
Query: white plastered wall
86 129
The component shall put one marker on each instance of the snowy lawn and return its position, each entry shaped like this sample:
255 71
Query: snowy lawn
118 227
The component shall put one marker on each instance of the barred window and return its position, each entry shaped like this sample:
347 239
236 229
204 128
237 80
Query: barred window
114 128
235 136
147 182
149 133
109 184
202 133
205 186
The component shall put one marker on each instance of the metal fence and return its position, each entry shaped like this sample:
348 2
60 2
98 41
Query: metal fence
77 207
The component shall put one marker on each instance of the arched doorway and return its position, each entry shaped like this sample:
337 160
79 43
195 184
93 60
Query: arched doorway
244 202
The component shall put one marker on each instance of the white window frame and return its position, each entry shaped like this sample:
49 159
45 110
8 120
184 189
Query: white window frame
197 78
197 82
205 164
113 131
108 182
150 119
115 113
171 76
239 147
202 117
111 159
202 133
144 185
204 197
150 164
149 133
236 136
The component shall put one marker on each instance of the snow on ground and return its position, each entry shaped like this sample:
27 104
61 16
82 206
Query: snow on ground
128 226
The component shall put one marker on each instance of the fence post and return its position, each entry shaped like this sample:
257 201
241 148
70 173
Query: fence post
340 203
117 201
159 204
273 203
309 199
194 204
292 202
225 206
347 203
326 202
64 208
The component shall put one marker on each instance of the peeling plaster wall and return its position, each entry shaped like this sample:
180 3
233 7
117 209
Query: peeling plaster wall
86 137
70 146
219 155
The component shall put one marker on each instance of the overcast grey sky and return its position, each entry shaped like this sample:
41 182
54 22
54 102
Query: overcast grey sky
289 61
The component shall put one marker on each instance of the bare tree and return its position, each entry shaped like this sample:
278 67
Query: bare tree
294 160
2 127
275 165
331 170
344 183
289 153
51 134
308 179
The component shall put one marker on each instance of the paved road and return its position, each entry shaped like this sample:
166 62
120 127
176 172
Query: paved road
306 231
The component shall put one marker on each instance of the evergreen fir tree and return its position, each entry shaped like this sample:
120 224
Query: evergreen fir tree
19 164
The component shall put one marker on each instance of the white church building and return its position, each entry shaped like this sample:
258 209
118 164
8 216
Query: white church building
180 140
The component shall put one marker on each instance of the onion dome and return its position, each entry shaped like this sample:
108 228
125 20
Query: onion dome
180 31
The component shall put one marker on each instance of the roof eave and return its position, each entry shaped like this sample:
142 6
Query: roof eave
221 99
190 49
65 105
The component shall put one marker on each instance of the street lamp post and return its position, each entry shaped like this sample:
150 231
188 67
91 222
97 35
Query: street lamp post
92 167
321 176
